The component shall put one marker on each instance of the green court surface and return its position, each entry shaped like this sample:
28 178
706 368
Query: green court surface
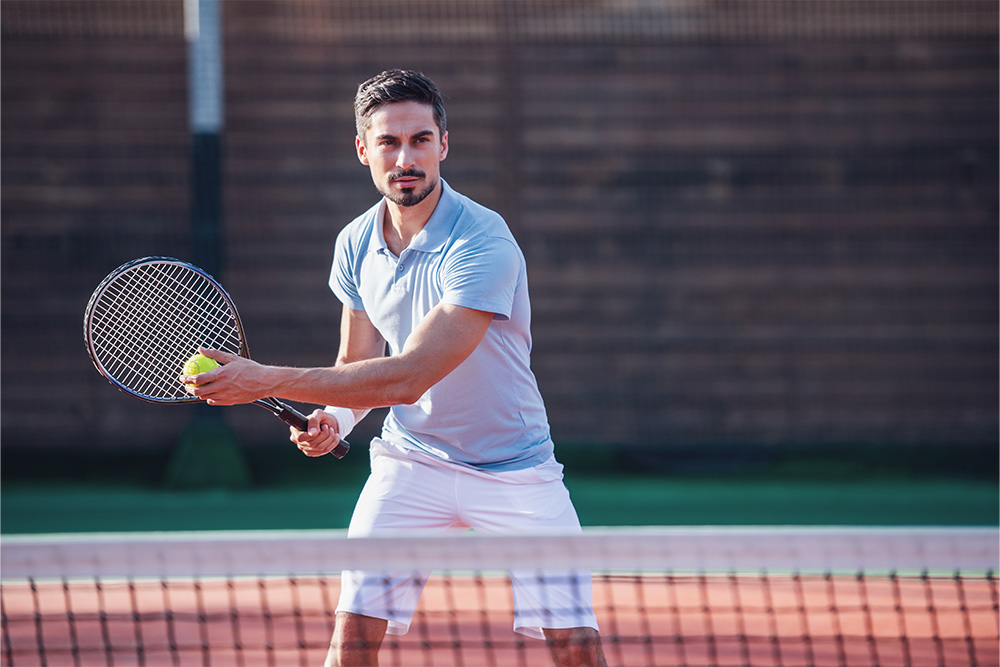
101 493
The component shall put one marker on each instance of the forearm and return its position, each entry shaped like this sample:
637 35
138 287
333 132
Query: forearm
358 413
361 385
443 340
363 379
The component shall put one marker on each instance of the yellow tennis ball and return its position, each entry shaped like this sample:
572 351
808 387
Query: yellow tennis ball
199 363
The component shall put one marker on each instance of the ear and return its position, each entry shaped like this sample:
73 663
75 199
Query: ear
362 150
444 147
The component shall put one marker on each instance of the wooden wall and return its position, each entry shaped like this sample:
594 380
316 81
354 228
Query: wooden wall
745 223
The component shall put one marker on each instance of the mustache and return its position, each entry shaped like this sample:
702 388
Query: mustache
403 173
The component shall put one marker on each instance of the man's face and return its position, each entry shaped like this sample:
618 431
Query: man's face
404 152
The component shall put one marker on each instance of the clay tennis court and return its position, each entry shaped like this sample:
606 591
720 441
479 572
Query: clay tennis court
465 620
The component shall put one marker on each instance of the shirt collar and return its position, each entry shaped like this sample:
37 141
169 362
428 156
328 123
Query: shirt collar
434 235
378 244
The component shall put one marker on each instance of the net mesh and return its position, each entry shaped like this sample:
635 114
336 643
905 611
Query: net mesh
662 597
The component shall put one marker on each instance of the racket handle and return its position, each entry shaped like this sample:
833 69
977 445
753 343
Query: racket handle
293 417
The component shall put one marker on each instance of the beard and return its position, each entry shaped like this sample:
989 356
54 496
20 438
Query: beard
407 196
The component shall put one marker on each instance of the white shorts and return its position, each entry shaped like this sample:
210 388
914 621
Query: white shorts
409 491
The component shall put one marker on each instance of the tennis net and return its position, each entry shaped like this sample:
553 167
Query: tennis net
682 596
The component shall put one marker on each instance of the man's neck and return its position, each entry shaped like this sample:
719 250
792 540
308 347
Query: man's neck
402 223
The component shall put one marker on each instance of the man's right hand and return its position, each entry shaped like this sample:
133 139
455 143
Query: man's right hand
320 437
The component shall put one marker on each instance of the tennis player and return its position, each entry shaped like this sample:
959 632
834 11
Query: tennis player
441 281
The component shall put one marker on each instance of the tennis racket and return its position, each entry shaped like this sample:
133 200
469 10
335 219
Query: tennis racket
150 315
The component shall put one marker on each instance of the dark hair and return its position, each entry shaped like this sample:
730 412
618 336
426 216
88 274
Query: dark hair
396 85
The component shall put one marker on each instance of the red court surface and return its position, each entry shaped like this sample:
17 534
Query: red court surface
649 620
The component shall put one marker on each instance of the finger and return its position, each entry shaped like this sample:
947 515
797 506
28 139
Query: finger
314 450
218 355
313 442
315 426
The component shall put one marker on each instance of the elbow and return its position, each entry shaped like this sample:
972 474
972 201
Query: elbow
408 395
410 390
413 381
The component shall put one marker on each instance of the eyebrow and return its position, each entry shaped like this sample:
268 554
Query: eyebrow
418 135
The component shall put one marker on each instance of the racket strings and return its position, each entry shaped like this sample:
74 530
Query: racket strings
142 374
175 310
135 308
149 319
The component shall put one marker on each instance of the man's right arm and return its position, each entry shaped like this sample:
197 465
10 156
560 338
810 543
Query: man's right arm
359 340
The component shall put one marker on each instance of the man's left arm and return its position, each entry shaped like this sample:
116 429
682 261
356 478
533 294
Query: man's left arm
445 338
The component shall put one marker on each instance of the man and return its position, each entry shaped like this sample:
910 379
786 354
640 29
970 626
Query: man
441 281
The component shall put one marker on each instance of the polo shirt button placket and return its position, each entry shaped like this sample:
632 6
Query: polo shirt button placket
398 281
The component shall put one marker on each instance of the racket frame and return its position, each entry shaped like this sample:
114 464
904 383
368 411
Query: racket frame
285 412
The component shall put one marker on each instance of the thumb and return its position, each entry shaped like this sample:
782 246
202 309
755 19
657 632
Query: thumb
315 426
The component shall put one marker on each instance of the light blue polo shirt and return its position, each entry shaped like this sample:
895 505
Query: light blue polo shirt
488 412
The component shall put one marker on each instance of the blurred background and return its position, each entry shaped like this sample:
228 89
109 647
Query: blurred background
761 236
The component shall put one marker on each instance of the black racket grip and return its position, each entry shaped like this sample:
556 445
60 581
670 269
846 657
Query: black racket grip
293 417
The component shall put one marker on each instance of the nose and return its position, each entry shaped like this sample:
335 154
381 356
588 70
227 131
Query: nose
405 158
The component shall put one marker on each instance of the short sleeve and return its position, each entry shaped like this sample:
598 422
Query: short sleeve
483 275
344 272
